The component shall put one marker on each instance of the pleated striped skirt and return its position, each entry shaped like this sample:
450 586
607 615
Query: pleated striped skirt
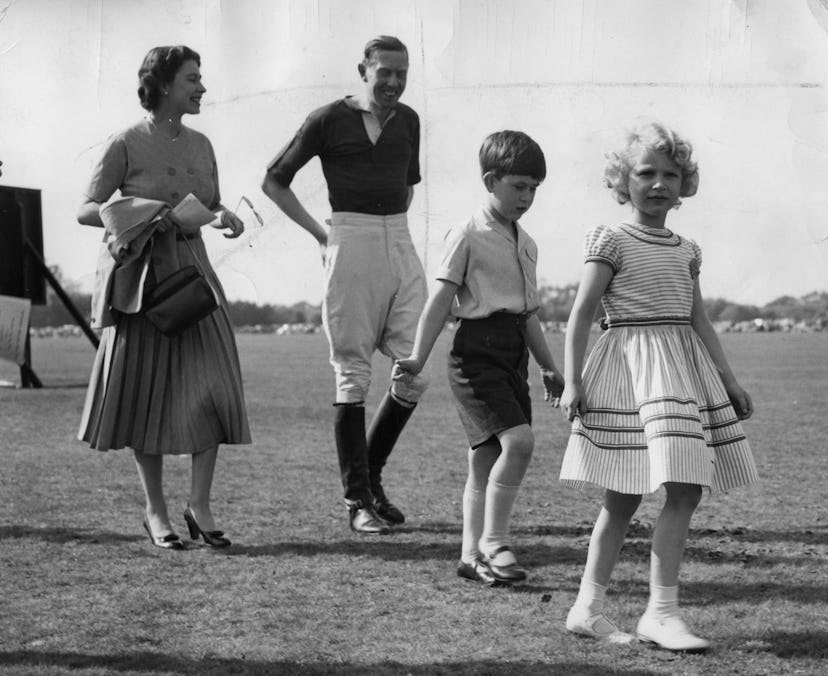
657 412
167 395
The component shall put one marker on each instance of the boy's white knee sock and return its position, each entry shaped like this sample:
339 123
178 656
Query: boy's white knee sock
500 499
591 597
663 601
474 502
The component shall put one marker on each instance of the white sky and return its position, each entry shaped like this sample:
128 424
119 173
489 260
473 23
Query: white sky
744 80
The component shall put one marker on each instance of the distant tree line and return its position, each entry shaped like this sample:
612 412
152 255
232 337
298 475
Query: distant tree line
556 302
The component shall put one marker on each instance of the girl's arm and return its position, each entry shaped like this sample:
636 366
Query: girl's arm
596 277
538 347
740 399
431 323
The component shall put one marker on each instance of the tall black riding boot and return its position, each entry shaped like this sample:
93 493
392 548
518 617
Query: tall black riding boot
386 426
352 449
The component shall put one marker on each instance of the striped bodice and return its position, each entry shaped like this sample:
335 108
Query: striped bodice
654 273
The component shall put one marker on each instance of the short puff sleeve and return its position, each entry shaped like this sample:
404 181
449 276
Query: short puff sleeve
696 261
600 245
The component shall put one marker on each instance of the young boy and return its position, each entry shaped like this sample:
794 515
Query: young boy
489 269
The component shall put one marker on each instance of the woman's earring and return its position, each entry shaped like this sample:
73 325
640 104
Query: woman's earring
677 205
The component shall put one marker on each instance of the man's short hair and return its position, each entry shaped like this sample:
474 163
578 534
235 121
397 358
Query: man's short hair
382 43
512 152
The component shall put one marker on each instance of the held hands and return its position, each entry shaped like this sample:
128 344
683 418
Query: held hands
229 221
405 369
553 386
573 401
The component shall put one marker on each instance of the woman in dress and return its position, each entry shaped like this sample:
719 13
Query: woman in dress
154 393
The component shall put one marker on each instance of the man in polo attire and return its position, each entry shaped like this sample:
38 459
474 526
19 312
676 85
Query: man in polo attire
375 287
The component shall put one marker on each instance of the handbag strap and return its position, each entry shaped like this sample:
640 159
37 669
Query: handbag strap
192 251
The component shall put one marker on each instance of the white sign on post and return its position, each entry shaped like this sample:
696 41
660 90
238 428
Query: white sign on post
14 326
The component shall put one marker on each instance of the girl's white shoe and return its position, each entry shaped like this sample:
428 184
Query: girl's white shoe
598 626
671 633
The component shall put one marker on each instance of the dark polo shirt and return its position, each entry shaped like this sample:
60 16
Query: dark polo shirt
362 177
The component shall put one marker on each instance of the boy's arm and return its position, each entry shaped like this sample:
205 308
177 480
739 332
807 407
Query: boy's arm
539 349
596 277
740 399
431 323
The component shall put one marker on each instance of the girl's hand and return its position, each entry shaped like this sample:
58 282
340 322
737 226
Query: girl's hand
229 221
741 401
573 401
405 368
553 386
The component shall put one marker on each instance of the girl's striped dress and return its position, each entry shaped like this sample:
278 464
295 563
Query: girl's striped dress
657 408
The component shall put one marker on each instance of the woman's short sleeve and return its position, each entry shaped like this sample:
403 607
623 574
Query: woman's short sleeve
217 195
600 245
110 171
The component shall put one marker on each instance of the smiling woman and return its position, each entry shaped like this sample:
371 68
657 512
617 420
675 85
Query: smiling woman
155 393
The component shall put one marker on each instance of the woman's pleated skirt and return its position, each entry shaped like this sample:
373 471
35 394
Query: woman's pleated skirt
166 395
657 412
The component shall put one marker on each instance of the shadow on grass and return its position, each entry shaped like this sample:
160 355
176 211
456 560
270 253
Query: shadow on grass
807 535
63 535
391 549
732 552
149 662
713 593
810 644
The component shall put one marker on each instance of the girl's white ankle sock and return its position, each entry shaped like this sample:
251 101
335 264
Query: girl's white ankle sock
591 597
663 601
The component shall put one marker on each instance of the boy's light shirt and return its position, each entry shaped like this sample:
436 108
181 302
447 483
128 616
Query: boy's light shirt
494 271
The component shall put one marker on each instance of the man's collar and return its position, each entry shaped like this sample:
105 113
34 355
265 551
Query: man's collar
355 103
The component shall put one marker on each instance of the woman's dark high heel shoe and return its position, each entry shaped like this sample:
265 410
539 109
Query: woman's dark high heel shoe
214 538
168 541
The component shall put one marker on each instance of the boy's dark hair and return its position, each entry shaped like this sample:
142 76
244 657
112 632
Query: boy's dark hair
512 152
158 70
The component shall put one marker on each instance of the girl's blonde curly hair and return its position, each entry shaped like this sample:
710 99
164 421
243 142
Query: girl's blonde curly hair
657 137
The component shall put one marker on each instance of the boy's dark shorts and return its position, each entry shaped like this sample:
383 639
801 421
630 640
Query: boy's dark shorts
487 369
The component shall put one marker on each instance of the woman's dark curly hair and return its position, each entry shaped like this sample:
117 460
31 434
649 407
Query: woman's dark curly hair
158 71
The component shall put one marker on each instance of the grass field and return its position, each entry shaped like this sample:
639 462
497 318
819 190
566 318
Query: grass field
83 592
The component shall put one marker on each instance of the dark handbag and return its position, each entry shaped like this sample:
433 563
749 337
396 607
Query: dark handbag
179 301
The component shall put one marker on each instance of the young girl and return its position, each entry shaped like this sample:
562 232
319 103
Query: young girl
657 404
488 275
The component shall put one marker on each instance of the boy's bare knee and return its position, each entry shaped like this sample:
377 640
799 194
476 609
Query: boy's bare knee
518 441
